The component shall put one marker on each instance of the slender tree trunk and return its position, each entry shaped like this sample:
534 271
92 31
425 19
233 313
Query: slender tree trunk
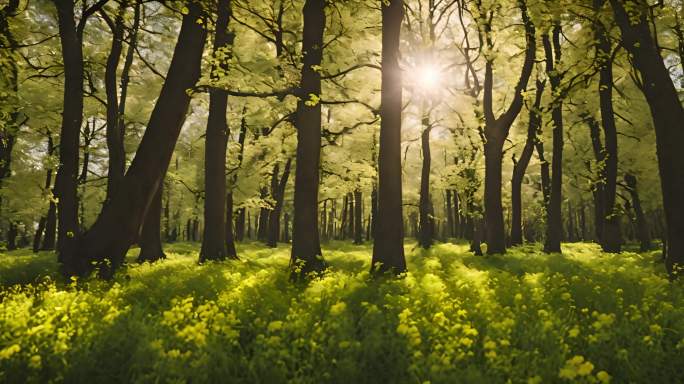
598 191
427 225
388 247
279 196
150 235
115 144
12 233
262 229
358 217
42 224
520 167
458 218
119 222
667 113
231 251
306 249
449 213
72 118
642 226
240 225
9 83
216 141
496 131
554 220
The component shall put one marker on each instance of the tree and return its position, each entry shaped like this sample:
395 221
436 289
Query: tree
388 247
306 249
118 225
496 131
216 140
520 165
667 113
150 242
554 219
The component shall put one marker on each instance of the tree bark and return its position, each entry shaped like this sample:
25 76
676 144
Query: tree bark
426 225
611 239
642 226
358 217
306 249
667 113
115 143
449 215
279 196
520 167
216 140
554 218
72 118
388 247
150 241
119 222
42 224
9 80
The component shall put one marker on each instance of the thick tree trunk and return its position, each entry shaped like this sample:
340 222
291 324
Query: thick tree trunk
554 218
611 239
216 141
358 217
49 237
667 113
520 167
279 196
150 235
427 225
119 222
72 118
9 80
598 191
306 248
388 247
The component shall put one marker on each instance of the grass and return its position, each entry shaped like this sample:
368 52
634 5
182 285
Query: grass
523 317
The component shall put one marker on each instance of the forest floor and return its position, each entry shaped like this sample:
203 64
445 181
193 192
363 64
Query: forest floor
524 317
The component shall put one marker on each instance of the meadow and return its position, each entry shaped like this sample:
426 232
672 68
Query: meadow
523 317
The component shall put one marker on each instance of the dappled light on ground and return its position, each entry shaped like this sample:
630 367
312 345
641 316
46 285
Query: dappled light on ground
584 316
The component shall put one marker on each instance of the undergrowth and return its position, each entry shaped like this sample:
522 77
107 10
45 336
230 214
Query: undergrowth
522 317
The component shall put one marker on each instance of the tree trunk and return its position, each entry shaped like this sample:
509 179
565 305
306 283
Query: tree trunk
520 167
115 144
240 225
216 141
72 118
358 217
667 113
449 213
119 222
12 233
306 249
427 225
231 252
611 239
496 131
388 247
279 196
150 235
554 218
9 80
642 226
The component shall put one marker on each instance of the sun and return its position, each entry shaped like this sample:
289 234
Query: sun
428 77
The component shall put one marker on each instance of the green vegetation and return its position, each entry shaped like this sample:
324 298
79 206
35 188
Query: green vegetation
584 316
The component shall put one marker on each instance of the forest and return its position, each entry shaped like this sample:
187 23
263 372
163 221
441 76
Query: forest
336 191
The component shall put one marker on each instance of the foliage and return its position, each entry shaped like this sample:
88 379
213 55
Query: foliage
525 317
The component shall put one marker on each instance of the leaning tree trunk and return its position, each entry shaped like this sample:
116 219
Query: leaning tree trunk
611 239
117 226
150 241
306 248
667 113
427 225
216 141
554 218
388 247
66 183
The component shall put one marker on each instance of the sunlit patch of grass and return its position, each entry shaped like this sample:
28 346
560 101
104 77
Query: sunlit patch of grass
584 316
